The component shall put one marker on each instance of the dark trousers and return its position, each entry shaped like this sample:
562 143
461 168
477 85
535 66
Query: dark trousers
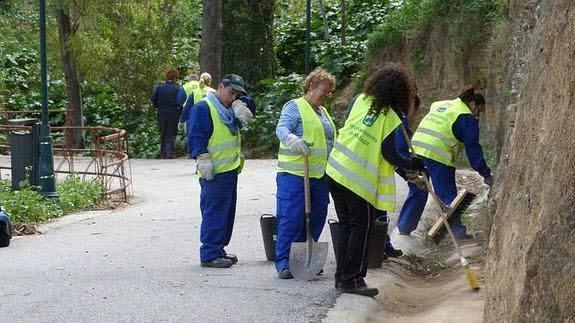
168 132
356 222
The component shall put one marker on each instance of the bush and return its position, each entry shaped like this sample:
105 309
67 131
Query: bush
27 206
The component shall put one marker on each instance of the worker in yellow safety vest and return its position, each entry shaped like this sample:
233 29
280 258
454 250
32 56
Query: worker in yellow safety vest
360 172
215 131
450 126
304 128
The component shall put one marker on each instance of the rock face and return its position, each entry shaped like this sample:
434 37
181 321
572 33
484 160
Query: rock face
531 260
527 72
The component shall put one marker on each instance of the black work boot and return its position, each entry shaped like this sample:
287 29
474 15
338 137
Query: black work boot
285 274
231 257
360 290
219 262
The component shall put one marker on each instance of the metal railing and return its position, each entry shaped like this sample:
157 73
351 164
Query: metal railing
103 156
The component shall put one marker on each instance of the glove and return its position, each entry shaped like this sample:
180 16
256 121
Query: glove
242 161
205 167
415 178
242 112
297 145
488 180
181 125
417 164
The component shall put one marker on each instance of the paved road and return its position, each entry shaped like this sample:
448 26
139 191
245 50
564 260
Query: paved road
141 262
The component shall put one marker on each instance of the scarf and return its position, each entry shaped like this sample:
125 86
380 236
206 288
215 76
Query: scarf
227 115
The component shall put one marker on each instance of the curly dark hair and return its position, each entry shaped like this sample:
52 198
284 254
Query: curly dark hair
391 87
469 95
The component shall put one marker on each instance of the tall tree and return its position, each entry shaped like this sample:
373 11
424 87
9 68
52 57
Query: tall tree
211 49
67 27
247 40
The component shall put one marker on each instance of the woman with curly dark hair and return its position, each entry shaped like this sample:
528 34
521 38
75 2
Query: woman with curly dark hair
361 171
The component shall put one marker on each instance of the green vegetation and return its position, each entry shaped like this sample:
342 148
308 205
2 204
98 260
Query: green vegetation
466 22
26 206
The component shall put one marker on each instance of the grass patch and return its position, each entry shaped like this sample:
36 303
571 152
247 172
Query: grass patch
425 266
28 207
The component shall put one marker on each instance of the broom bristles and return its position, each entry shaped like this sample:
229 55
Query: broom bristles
472 278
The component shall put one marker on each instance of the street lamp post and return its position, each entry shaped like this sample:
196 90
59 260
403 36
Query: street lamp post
46 180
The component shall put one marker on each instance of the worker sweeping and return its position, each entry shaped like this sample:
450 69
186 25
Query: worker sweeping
304 128
361 172
450 126
215 138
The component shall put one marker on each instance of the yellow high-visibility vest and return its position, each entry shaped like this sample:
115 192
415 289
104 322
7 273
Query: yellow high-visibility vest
356 161
434 137
189 88
314 134
223 146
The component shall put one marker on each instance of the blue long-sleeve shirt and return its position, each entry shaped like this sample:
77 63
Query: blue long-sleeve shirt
466 130
168 98
200 129
290 122
187 107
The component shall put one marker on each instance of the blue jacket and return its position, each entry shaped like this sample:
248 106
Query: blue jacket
200 129
168 99
466 130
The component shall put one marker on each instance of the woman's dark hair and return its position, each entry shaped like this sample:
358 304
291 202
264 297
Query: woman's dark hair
390 86
469 95
416 101
172 74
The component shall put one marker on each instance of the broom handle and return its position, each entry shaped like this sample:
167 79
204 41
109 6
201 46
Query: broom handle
444 207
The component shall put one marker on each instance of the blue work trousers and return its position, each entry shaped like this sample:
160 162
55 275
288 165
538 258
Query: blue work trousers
291 213
443 179
412 209
218 205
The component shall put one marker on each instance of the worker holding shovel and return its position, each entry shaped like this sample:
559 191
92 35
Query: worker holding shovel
305 128
361 172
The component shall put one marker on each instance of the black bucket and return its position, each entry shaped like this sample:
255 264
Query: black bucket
377 252
269 225
334 230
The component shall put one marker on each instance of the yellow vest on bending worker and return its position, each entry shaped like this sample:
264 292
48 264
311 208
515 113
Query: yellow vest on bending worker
356 161
314 134
189 88
223 146
434 137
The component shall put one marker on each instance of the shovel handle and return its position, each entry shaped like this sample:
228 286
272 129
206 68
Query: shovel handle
306 184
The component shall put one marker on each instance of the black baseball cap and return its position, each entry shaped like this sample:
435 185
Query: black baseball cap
236 82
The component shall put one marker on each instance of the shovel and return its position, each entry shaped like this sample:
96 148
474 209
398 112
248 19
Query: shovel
307 258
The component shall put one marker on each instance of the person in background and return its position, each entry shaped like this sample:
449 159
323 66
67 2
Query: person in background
417 197
195 93
168 99
304 128
360 172
191 84
215 138
450 126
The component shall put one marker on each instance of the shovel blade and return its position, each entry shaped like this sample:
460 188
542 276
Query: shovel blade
307 259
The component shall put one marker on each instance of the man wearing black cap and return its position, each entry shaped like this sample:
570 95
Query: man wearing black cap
215 144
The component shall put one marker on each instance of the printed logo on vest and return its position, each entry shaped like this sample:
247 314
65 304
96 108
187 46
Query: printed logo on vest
370 119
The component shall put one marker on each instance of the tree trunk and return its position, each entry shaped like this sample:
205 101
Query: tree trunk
168 15
211 49
324 17
343 25
65 31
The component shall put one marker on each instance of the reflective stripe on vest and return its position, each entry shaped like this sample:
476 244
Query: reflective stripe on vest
224 147
434 137
356 161
313 133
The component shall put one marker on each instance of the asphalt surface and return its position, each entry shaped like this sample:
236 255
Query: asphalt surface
141 262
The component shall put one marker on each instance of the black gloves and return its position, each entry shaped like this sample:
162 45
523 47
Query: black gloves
417 164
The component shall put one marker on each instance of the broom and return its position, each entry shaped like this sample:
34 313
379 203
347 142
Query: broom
472 278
